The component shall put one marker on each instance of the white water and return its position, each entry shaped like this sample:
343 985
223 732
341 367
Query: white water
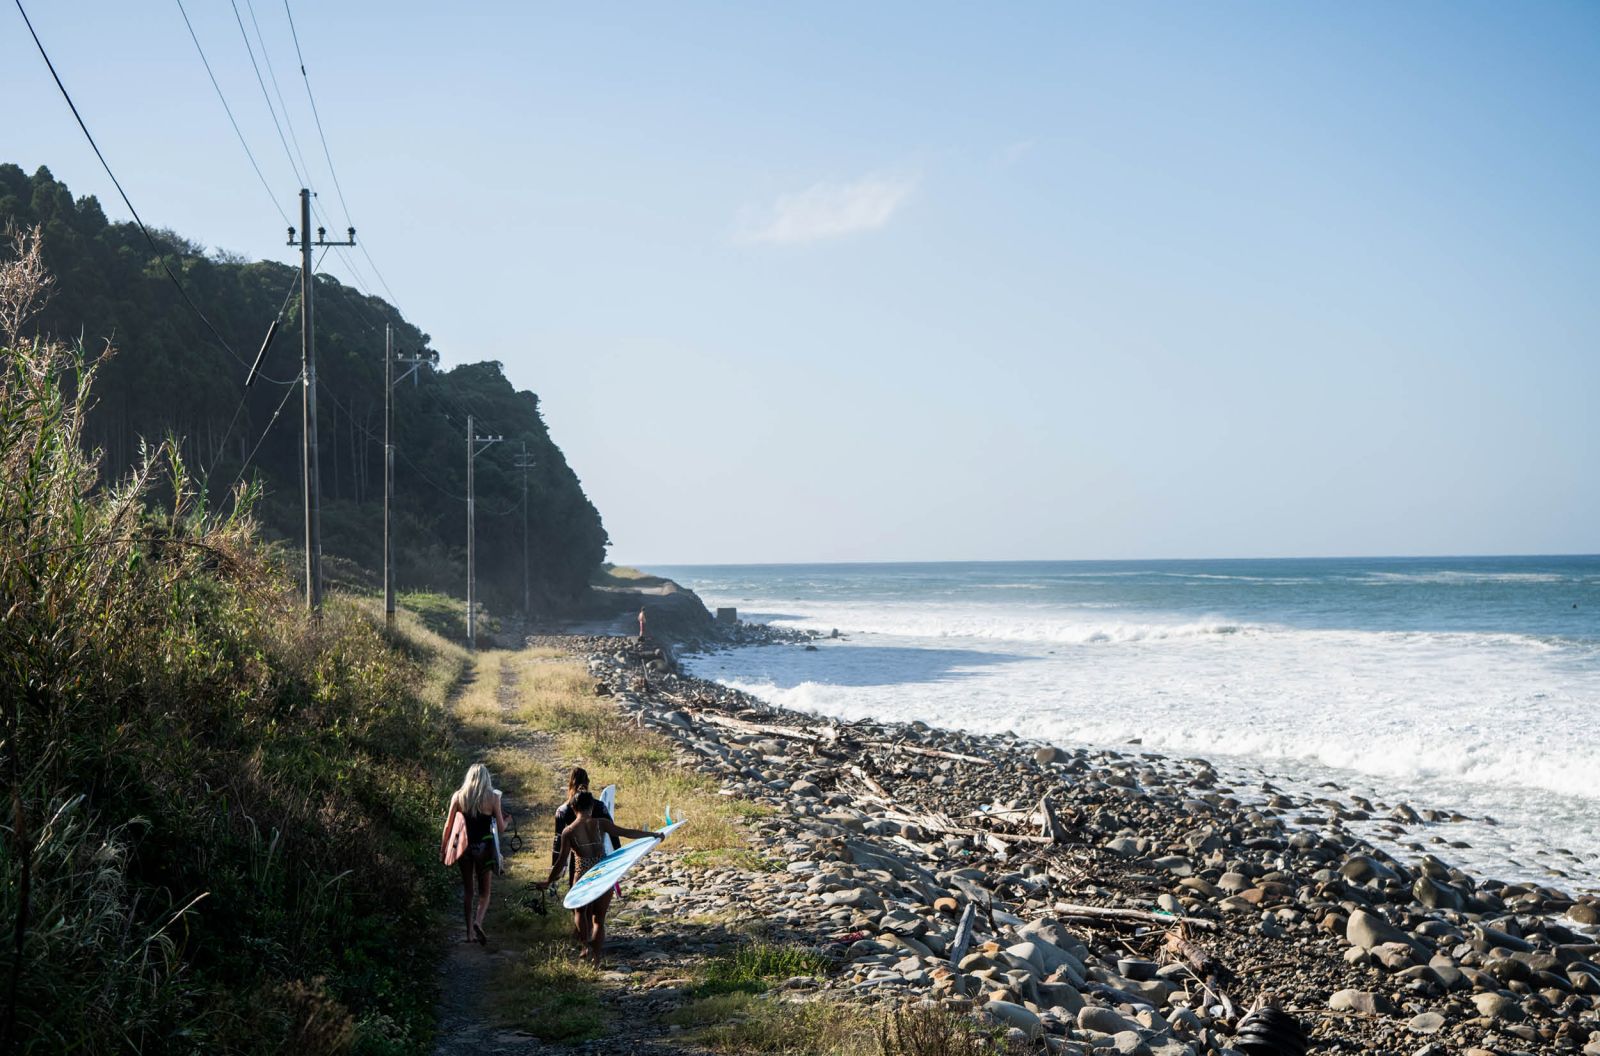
1491 723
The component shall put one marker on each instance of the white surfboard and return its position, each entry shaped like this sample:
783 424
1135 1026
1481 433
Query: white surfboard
608 799
608 870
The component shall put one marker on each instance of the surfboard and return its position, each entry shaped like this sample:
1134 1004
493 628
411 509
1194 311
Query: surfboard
608 799
608 870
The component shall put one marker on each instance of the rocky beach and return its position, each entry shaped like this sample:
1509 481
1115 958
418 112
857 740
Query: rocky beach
1090 900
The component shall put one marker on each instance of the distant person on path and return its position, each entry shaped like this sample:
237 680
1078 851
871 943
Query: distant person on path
469 841
641 621
566 813
582 840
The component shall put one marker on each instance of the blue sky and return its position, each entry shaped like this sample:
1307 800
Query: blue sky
941 281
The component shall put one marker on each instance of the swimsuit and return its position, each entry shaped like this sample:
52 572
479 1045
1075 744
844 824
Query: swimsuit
480 842
587 852
566 814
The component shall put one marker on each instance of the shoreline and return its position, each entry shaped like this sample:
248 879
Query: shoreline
885 832
1489 827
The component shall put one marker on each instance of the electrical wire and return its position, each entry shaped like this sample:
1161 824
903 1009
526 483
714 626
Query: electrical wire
227 434
264 95
266 60
328 154
240 134
314 112
231 120
270 423
160 256
435 485
370 435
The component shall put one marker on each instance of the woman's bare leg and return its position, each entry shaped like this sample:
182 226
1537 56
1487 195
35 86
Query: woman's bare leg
466 895
485 885
597 936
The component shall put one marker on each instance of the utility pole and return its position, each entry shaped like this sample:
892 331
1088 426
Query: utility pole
525 463
308 405
415 362
473 451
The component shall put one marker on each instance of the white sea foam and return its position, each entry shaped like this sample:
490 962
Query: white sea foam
1000 624
1055 625
1488 723
1451 576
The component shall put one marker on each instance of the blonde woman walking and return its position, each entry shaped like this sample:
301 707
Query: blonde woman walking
469 842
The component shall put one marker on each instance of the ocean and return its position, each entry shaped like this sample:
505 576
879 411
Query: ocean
1466 684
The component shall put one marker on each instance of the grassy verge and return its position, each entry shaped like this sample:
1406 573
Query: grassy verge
529 714
444 615
559 699
222 812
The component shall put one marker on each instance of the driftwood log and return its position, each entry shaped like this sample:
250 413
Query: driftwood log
958 948
792 733
1130 916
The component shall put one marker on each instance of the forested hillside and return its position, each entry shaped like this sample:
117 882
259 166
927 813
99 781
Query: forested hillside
169 375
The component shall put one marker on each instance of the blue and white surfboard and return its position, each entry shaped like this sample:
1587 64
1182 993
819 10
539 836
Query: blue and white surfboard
608 870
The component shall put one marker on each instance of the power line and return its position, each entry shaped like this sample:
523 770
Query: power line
264 95
227 433
435 485
160 256
231 120
314 113
328 154
359 427
273 73
287 392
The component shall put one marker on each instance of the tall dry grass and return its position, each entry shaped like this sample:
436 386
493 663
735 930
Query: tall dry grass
220 814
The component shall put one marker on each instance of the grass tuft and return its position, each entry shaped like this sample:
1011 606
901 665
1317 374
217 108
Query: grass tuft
933 1030
750 968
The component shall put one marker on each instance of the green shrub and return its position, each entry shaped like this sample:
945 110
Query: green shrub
222 813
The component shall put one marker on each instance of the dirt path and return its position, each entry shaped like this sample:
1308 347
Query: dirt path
500 997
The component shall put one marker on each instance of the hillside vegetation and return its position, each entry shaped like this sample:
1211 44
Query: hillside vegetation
172 378
220 815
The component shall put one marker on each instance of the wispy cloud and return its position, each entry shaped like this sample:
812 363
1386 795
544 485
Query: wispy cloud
827 210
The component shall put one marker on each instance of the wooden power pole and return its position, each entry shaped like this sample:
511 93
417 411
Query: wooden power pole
312 479
414 363
525 462
473 451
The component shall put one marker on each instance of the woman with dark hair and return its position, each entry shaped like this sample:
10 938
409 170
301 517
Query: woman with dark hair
577 781
582 842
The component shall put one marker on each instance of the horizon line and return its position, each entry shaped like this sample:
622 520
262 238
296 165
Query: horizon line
1101 560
